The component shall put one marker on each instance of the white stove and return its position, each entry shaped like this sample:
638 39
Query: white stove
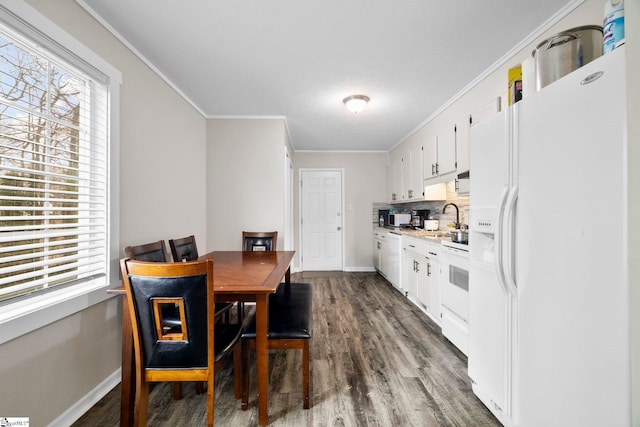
455 294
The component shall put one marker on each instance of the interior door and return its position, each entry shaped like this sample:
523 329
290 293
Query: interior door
321 220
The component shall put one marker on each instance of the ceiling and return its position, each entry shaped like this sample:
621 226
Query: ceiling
299 59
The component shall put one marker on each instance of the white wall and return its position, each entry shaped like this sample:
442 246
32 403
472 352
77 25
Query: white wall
245 180
365 182
47 372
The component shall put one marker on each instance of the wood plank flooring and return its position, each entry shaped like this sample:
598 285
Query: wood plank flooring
376 360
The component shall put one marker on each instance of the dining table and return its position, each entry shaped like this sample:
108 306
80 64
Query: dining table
238 276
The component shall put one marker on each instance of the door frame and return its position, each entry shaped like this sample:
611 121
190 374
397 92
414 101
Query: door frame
342 215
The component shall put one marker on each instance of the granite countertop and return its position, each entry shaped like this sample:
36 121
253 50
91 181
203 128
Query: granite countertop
436 236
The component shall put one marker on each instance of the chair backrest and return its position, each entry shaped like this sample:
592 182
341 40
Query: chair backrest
155 252
259 241
184 249
150 286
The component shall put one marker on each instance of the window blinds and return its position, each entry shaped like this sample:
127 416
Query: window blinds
53 171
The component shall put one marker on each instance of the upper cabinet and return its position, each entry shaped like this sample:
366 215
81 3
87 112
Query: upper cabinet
394 179
439 155
405 173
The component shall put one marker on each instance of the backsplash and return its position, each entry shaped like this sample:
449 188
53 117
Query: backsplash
435 209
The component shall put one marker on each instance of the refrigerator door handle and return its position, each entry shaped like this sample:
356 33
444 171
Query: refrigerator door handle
509 241
500 241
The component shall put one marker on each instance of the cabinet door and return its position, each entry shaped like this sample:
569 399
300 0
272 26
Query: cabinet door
430 158
409 278
416 178
446 151
434 289
406 175
395 176
463 130
423 272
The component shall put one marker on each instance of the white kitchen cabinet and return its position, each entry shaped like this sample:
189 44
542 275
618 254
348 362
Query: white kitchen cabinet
421 274
395 176
439 155
406 182
415 182
386 255
378 250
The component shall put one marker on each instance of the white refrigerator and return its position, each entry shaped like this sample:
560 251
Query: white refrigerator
548 291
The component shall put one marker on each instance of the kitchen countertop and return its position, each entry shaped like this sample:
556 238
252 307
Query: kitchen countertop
435 236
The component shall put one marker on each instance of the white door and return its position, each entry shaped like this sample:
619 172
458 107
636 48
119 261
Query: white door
321 220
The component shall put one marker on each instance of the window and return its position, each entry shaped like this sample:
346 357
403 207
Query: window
53 170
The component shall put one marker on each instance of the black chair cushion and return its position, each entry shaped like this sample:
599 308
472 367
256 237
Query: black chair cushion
166 353
186 252
258 244
289 313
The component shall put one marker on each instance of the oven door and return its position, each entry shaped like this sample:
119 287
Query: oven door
455 296
455 283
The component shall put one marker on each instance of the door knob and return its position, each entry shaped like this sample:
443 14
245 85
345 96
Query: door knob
339 228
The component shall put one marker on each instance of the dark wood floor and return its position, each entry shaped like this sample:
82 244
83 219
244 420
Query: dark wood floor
376 360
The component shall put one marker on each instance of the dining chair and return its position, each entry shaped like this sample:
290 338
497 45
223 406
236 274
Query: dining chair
154 251
290 321
259 241
191 352
185 249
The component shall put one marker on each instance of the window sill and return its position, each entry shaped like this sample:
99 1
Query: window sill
27 315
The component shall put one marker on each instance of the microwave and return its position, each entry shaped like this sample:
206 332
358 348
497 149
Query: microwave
398 220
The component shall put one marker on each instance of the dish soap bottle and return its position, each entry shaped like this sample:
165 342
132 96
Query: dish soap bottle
613 24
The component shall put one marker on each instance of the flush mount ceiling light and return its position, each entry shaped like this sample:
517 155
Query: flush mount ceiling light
356 103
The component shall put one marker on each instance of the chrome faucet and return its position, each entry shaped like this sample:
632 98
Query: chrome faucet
457 213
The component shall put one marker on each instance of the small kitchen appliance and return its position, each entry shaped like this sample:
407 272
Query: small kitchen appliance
399 220
431 225
384 215
418 217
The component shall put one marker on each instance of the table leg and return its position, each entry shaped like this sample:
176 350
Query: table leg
262 357
127 385
287 276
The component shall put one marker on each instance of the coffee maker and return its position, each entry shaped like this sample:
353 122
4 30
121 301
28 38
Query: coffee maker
418 217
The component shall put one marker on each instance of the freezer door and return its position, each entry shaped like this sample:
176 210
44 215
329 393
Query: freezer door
573 315
489 161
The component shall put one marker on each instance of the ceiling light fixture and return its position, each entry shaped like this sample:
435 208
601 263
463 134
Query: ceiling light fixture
356 103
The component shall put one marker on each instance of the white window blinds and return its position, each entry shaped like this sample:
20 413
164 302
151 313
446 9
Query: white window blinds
53 171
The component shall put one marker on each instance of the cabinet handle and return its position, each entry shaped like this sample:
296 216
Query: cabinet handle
437 168
457 185
412 246
428 269
433 169
433 253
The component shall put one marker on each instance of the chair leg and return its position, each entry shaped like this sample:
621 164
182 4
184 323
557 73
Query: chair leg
245 374
210 394
199 387
305 375
237 371
141 403
177 390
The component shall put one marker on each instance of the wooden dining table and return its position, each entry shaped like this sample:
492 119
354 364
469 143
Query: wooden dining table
237 276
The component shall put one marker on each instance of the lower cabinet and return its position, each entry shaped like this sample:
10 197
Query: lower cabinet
421 274
386 255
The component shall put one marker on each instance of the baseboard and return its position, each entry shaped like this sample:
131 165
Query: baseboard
360 269
78 409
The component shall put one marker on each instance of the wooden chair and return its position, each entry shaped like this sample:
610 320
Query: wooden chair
290 319
155 251
189 353
185 249
259 241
